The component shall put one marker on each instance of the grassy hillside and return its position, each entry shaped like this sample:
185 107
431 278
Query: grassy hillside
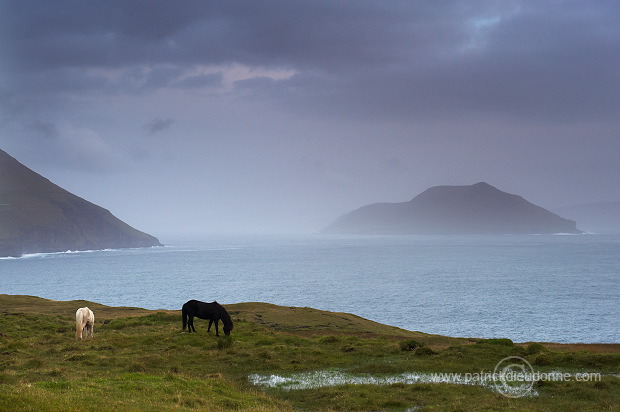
140 360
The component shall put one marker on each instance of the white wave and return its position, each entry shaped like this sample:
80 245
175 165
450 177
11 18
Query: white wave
66 252
568 234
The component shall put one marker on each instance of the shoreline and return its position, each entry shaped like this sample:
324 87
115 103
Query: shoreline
289 319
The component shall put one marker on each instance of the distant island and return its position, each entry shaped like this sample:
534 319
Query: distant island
602 217
452 210
38 216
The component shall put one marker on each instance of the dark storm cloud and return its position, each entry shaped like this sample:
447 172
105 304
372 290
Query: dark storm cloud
557 63
521 58
46 130
312 105
119 33
158 125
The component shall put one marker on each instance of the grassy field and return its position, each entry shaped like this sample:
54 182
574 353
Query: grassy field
140 360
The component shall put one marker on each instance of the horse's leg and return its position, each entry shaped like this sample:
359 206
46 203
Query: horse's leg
92 323
210 323
217 333
190 324
78 325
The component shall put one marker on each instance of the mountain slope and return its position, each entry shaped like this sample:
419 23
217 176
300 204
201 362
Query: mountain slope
38 216
475 209
601 217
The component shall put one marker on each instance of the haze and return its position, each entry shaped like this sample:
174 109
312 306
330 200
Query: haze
202 117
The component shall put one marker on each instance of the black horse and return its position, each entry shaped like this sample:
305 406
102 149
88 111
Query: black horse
202 310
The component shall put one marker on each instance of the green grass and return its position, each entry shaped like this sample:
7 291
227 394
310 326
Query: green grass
140 360
134 391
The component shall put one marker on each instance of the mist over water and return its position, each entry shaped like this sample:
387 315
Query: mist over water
526 288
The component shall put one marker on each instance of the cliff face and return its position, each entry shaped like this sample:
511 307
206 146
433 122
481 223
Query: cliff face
475 209
39 216
595 217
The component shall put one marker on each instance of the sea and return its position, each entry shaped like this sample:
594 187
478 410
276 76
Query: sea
545 288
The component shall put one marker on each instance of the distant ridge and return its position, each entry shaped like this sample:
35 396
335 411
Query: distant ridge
446 210
38 216
602 217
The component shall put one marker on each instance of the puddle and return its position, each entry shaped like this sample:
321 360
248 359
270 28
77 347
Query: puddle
326 378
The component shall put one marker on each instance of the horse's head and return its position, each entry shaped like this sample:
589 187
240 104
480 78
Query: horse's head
227 328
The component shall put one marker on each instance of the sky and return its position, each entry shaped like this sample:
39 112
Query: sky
209 117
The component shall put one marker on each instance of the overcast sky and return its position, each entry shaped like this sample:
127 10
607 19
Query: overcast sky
279 116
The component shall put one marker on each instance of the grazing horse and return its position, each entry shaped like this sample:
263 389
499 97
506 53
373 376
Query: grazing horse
202 310
84 320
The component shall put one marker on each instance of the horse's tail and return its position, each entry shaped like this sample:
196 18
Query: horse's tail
184 316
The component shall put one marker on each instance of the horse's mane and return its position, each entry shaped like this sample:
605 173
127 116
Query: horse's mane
224 315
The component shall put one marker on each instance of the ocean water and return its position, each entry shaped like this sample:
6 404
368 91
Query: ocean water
526 288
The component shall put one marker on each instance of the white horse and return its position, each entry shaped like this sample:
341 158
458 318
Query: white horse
84 320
